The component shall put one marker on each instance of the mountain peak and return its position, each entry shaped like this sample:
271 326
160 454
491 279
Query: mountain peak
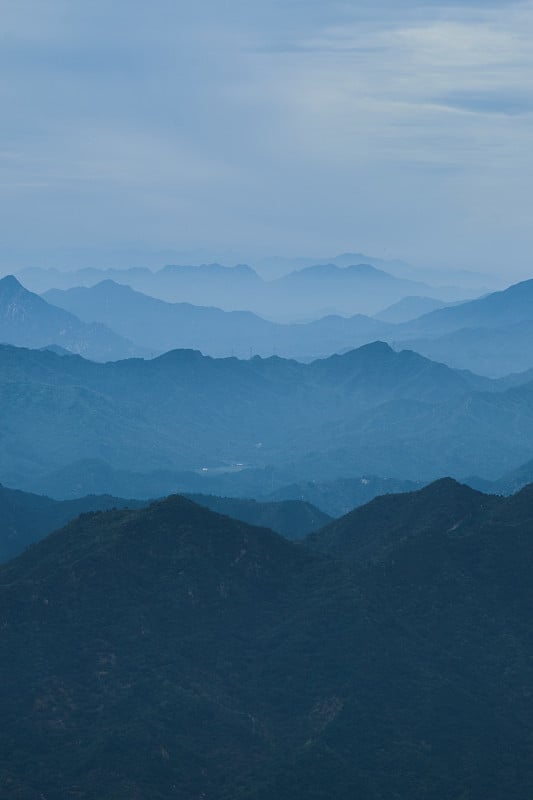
9 284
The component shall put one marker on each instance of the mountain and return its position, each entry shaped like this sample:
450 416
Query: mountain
370 411
293 519
374 531
409 308
172 652
507 484
96 476
492 335
340 496
160 326
302 295
267 485
496 310
495 352
26 320
327 288
26 517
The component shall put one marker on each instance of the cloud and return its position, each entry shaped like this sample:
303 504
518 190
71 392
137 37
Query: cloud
278 126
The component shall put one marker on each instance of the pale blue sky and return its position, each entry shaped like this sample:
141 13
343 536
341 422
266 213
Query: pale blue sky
237 129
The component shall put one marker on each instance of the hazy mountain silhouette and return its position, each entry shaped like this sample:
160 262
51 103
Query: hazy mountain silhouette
96 476
496 310
492 335
409 308
495 352
173 651
162 326
27 320
301 295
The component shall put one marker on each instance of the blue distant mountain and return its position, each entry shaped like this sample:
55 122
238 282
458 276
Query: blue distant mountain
301 295
27 320
370 411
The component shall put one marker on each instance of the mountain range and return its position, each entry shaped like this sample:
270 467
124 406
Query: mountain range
492 335
161 326
370 411
299 296
109 321
173 652
27 518
26 320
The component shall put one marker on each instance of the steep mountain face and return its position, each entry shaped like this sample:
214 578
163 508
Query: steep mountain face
293 519
161 326
27 320
171 652
27 518
371 410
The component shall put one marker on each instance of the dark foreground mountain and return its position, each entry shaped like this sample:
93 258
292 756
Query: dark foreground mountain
26 518
29 321
171 652
369 411
373 531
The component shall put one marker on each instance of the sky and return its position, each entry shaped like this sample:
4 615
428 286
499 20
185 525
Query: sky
232 130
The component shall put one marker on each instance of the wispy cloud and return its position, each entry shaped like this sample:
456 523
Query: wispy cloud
281 126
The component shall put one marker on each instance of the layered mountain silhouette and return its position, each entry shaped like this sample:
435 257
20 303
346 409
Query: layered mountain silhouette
302 295
171 651
27 518
369 411
409 308
160 326
492 335
27 320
